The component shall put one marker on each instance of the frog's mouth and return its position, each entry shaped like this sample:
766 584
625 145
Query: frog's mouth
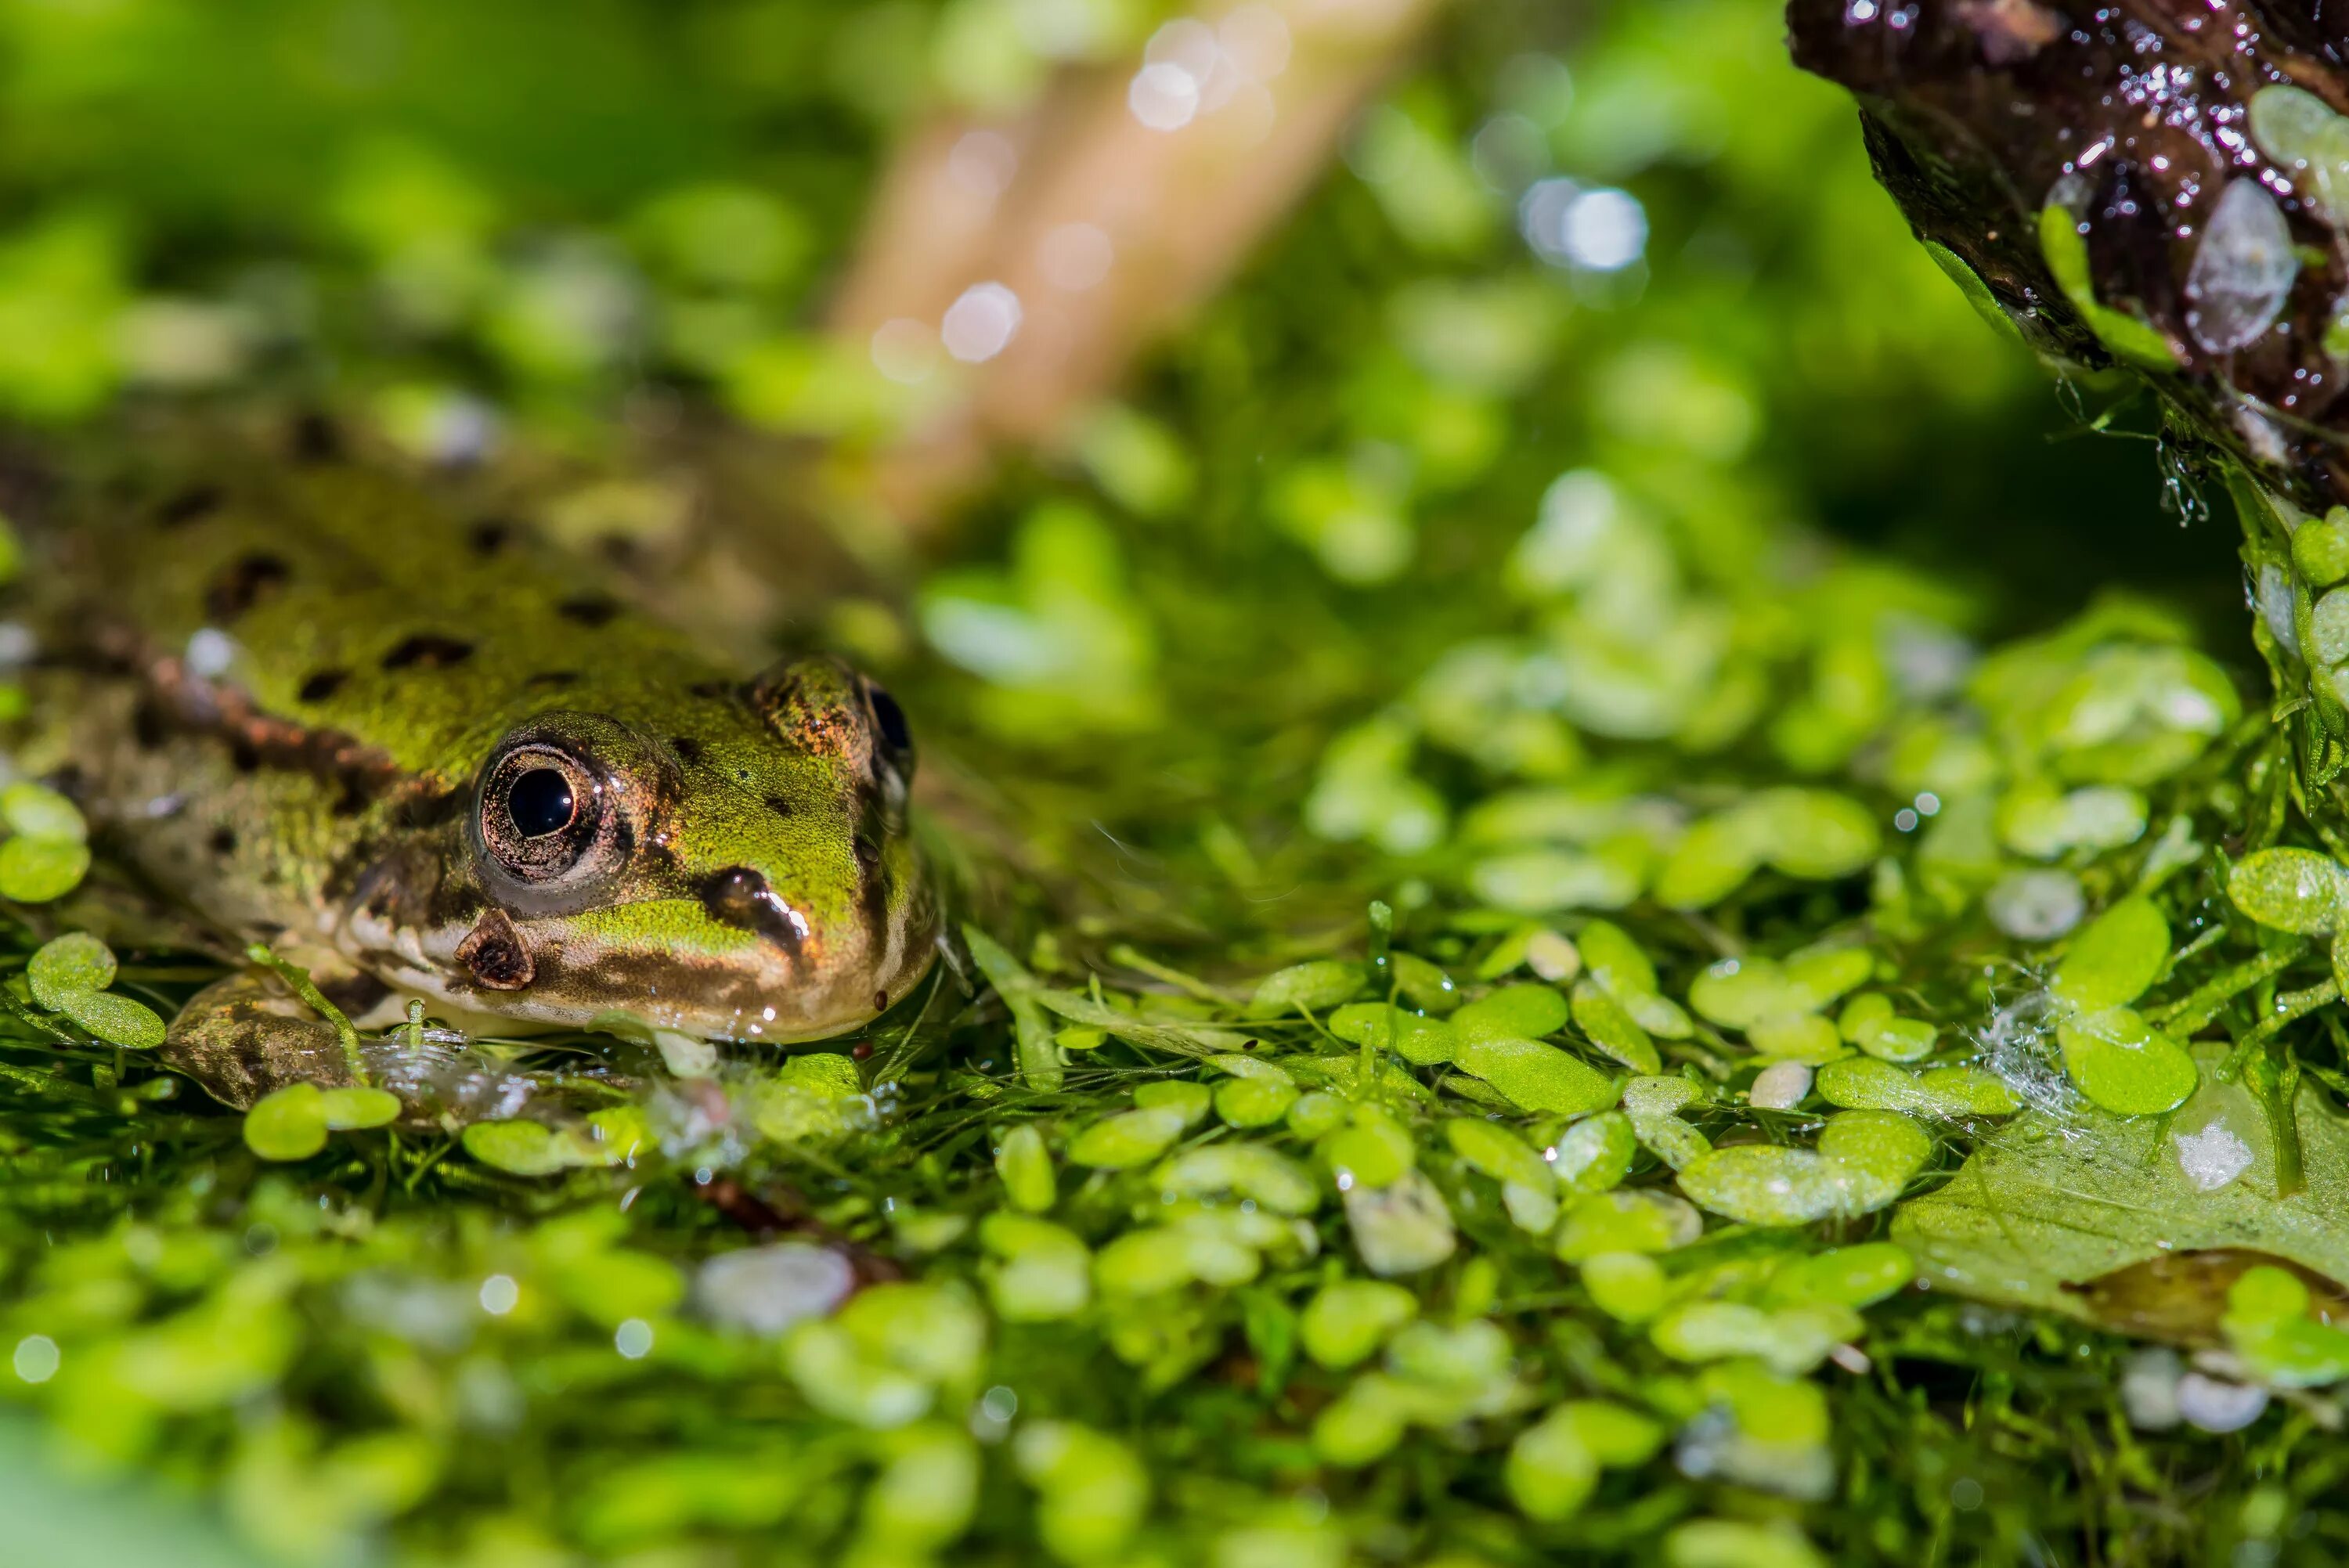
752 969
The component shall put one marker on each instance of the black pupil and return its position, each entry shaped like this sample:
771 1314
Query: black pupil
894 731
540 803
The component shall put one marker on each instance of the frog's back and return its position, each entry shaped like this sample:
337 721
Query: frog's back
340 599
248 670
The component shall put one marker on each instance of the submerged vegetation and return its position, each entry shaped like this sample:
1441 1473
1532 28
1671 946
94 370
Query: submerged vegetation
1620 916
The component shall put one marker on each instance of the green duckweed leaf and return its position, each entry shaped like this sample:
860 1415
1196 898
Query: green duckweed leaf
2114 957
1314 1114
1246 1171
1815 834
1735 991
1424 984
74 962
1855 1276
1627 1220
1400 1228
1255 1102
2320 547
1498 1153
1863 1159
2128 339
1864 1083
2290 890
36 871
1977 293
1818 976
1616 961
117 1020
1550 1472
517 1148
2123 1064
1044 1273
1537 1077
1630 1287
1372 1150
2037 820
1091 1492
1192 1099
36 811
1316 988
1349 1319
1795 1038
1711 860
289 1123
1613 1030
1513 1012
2267 1324
1026 1168
350 1109
1422 1042
2301 131
1595 1154
1128 1138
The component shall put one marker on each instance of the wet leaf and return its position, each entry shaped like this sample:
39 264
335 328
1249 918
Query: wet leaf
1129 1139
2060 1198
36 811
117 1020
1315 988
1595 1154
1865 1084
1026 1168
2126 1065
1863 1159
1183 1095
74 962
1400 1228
1249 1171
1422 1042
2289 890
289 1123
1614 1031
517 1148
1498 1153
1537 1077
1347 1321
1513 1012
2112 961
1627 1220
36 871
348 1109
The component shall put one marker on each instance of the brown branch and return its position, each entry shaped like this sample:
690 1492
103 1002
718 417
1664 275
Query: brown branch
1078 182
2132 113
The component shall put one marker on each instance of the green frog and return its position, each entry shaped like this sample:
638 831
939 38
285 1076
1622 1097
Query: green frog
415 754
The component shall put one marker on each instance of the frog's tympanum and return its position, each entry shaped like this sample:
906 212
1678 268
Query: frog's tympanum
412 754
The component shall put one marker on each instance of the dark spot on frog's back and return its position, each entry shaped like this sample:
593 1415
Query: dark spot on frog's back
322 685
589 610
490 535
427 652
223 841
187 505
549 680
688 749
243 584
740 898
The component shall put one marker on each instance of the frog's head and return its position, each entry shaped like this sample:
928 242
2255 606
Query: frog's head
734 863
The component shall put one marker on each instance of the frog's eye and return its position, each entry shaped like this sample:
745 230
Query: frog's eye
897 735
542 811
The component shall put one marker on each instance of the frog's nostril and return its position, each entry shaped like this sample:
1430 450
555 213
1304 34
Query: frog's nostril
742 898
